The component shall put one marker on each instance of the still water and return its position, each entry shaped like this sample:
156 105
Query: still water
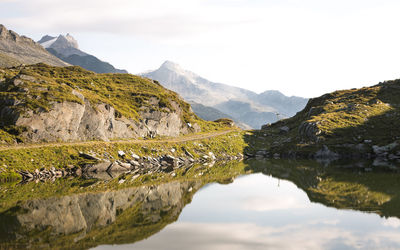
263 205
263 212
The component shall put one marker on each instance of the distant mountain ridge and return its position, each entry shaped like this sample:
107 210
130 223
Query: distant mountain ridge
243 105
67 49
16 50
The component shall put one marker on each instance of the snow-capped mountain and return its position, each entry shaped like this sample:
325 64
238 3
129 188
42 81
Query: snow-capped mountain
244 105
67 49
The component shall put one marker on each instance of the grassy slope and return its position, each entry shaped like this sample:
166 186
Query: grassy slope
368 115
125 92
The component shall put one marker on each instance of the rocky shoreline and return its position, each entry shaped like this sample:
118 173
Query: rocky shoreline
134 165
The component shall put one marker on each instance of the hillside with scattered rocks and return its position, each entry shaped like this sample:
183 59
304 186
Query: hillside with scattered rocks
355 123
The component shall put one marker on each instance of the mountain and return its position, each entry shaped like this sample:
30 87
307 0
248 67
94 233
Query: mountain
356 123
44 103
66 48
212 114
243 105
16 50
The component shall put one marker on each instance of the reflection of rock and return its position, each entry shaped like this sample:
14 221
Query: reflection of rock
84 213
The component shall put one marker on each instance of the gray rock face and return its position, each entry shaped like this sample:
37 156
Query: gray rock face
15 50
242 105
309 131
70 121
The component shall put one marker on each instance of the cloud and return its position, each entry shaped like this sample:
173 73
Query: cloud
392 222
238 236
156 18
283 202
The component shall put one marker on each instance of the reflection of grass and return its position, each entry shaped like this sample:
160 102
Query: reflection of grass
337 187
132 224
62 156
12 193
349 195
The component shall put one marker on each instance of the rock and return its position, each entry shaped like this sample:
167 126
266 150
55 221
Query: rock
187 152
100 167
135 156
276 156
284 129
325 153
121 153
117 167
134 163
88 156
121 181
309 130
266 126
173 150
384 149
212 156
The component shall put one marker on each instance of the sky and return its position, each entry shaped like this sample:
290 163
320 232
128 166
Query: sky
299 47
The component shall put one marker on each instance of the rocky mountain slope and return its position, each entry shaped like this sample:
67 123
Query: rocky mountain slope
67 49
44 103
241 104
356 123
16 50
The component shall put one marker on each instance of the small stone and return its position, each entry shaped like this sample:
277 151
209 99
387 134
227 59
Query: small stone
135 156
121 181
121 153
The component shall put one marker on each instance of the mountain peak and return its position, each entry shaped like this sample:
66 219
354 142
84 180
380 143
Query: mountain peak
63 42
171 66
46 38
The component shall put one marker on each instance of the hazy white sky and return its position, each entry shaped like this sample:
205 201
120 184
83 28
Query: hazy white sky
300 47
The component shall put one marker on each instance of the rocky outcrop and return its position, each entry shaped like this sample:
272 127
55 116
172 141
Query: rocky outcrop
70 121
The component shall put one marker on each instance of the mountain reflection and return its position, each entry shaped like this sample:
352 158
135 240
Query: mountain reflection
244 212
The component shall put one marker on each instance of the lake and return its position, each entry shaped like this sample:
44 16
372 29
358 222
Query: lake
275 205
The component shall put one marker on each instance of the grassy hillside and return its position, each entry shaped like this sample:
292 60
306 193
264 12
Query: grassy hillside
362 120
37 87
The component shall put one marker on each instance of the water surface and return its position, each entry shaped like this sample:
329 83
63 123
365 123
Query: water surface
275 204
263 212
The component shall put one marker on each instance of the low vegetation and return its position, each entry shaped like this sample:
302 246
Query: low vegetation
347 120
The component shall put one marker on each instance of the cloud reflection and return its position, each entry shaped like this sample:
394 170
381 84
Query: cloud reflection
238 236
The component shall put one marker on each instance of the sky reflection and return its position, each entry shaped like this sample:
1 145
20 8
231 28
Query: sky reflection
262 212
